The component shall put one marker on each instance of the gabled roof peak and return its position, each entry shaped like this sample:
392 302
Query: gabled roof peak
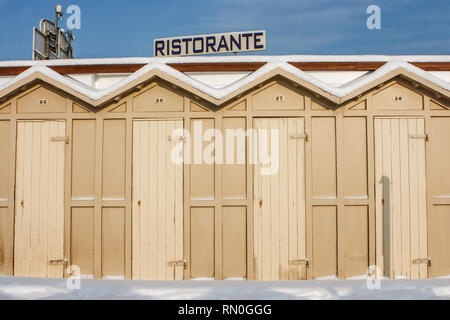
216 96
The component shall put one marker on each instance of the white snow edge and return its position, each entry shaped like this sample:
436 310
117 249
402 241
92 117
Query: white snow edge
242 58
220 93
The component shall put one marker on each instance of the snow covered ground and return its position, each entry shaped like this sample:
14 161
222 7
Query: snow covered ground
31 288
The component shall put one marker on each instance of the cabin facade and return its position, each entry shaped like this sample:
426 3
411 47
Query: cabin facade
356 180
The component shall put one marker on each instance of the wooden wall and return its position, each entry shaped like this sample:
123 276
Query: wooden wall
220 209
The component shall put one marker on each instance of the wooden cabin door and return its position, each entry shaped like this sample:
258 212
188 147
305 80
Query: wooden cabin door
279 207
401 213
157 219
39 199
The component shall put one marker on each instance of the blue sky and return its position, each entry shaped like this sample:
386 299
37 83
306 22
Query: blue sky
127 28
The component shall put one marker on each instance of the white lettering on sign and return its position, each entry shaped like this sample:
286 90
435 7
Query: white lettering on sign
210 43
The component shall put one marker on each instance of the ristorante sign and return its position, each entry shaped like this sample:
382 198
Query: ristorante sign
210 43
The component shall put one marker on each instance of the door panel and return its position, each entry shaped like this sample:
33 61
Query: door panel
157 220
439 213
401 197
279 209
39 218
202 243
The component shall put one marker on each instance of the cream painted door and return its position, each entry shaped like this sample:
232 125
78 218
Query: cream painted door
279 207
157 221
39 199
401 213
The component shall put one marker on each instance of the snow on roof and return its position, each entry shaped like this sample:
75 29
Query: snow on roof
273 63
242 58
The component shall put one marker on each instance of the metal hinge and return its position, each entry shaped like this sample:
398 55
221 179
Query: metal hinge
64 262
58 139
420 136
300 136
300 262
178 263
426 261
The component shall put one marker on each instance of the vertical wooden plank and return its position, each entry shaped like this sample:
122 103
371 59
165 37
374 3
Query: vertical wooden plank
162 198
251 268
396 199
274 205
266 207
257 215
293 200
404 177
414 201
423 243
378 126
129 200
25 232
371 180
19 196
33 258
61 192
58 271
179 235
387 197
145 201
137 202
170 200
340 208
309 191
53 198
98 197
154 201
43 200
283 200
301 200
218 192
7 176
67 220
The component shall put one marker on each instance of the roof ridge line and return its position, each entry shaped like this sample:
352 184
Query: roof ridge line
227 91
